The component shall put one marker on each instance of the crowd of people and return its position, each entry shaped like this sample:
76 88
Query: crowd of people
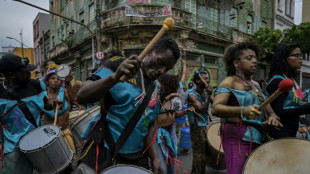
136 124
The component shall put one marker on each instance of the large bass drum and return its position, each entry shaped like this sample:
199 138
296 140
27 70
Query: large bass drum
287 155
213 144
125 169
80 123
46 150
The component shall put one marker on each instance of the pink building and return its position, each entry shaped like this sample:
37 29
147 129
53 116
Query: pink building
41 25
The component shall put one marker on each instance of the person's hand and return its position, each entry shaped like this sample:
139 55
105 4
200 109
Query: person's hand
128 67
68 78
171 96
251 112
156 166
209 90
273 120
183 61
60 104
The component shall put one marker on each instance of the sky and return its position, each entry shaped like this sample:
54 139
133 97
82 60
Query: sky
16 16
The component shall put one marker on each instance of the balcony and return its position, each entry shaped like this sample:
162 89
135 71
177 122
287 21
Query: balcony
239 36
115 18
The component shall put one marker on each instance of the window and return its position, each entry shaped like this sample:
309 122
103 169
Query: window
249 24
177 3
81 18
214 18
91 15
279 5
264 23
289 7
233 18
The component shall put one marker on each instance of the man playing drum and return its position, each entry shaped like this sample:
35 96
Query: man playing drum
199 98
119 102
21 101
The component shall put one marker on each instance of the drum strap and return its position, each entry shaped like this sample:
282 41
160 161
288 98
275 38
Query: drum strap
22 106
133 121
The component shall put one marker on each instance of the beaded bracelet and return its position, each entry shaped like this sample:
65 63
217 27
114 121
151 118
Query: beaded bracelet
241 112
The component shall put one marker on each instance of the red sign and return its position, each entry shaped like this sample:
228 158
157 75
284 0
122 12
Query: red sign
99 55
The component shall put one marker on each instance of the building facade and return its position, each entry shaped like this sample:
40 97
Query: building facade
284 14
305 11
6 50
40 27
202 32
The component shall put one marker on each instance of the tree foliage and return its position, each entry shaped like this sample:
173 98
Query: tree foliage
299 34
271 39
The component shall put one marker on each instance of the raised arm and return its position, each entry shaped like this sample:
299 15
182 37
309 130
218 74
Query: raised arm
93 91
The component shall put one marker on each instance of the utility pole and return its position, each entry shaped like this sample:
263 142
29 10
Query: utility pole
98 25
21 39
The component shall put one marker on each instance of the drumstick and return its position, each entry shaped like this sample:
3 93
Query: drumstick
284 86
203 80
168 25
193 110
56 113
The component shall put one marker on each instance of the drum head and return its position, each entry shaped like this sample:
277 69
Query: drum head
214 137
63 71
38 138
126 169
288 155
74 114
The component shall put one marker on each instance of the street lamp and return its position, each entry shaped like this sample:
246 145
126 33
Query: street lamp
21 42
91 33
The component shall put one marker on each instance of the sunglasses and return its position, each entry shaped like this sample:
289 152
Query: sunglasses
298 55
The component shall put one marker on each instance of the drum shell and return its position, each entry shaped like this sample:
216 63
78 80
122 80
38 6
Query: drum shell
128 169
212 151
80 124
52 157
285 155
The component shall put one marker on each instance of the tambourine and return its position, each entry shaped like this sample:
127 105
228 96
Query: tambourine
62 71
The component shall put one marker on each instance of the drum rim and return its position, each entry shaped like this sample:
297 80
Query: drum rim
243 168
57 70
91 110
39 148
220 139
126 165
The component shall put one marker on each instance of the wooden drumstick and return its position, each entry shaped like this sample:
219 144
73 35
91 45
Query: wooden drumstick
168 25
56 113
203 80
284 86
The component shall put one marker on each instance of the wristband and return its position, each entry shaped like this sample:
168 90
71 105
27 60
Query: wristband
241 112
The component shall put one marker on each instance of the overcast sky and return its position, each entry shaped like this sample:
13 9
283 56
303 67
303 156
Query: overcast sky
16 16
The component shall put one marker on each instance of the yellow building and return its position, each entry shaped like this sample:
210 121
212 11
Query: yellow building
305 11
28 52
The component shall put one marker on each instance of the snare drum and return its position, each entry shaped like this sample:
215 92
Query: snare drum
74 114
63 71
125 169
80 123
287 155
46 150
213 144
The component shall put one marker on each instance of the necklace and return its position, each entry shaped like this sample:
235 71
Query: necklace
256 90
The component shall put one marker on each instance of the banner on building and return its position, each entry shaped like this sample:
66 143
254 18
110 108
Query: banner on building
165 11
129 2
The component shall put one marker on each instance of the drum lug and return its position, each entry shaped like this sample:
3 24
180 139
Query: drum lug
113 161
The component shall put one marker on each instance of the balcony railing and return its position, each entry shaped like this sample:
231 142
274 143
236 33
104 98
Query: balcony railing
116 17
